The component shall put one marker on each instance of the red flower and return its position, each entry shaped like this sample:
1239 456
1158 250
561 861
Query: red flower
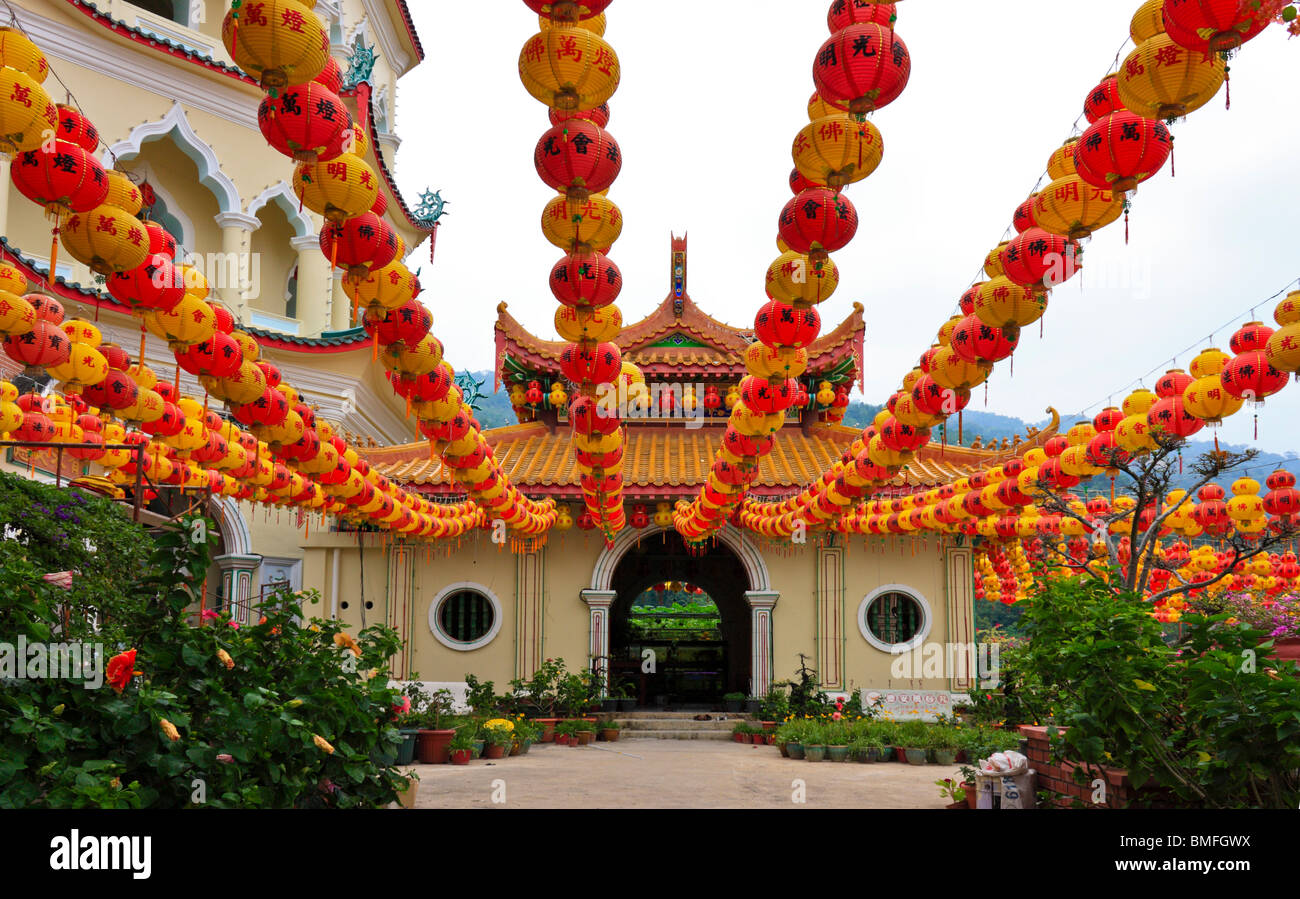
121 668
210 615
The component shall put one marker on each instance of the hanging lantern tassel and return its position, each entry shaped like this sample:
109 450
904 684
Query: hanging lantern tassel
960 440
1257 426
1227 83
1126 209
54 256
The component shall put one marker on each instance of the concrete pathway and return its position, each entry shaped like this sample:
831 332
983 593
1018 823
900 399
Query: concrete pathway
675 774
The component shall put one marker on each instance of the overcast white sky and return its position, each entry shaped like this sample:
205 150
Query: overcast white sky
711 98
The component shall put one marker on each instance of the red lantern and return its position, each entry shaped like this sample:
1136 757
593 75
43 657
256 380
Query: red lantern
78 129
154 284
975 341
599 364
761 396
169 424
587 418
407 324
1218 26
577 158
567 10
359 244
331 76
1121 150
1173 383
1024 217
1037 255
306 122
586 278
1103 100
45 345
1172 417
903 438
64 180
798 182
932 399
844 13
1251 377
116 391
218 357
818 221
711 398
783 325
161 242
862 68
739 444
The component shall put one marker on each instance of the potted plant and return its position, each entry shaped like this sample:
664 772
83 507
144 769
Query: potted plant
586 732
525 735
914 737
732 702
944 745
406 717
956 795
837 741
814 747
609 730
461 746
500 735
794 734
564 731
433 740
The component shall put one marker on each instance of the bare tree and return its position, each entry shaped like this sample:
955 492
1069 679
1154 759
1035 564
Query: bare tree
1151 478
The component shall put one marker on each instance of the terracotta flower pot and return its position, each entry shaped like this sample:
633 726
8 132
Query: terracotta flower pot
494 751
461 756
548 729
562 739
587 736
971 797
609 734
432 746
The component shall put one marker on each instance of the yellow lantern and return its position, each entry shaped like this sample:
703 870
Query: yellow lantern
1061 164
12 279
837 150
795 278
189 322
18 52
600 324
1074 208
123 194
755 424
1162 80
1205 397
106 238
281 42
417 360
1283 348
1148 21
85 366
1001 303
559 399
337 188
569 68
26 112
993 261
386 288
17 316
766 362
1246 504
954 373
246 386
571 225
79 331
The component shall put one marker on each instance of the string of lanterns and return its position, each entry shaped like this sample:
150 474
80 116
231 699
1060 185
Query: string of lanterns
861 68
303 117
284 458
569 67
1172 72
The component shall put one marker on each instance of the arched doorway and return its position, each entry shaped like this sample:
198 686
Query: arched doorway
689 613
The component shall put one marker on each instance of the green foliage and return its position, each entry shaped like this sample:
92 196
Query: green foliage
65 529
1207 721
274 715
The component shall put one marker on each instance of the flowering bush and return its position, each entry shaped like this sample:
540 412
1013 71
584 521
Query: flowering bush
1279 616
273 715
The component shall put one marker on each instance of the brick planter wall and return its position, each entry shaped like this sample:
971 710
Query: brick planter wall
1059 777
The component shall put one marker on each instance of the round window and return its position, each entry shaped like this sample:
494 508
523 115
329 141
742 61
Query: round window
465 617
893 618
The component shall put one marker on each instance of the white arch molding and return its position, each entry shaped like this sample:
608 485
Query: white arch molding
176 125
234 529
283 196
602 576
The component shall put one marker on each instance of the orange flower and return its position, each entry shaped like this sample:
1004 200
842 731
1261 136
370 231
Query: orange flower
322 744
169 729
225 658
347 642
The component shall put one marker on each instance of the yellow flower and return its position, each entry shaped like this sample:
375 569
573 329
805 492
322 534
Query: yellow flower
347 642
169 729
322 744
225 658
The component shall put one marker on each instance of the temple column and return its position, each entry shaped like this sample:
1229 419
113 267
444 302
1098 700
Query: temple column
598 604
230 277
959 575
761 604
238 575
315 289
530 611
340 306
830 616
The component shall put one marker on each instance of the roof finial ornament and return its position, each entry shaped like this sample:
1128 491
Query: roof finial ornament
677 272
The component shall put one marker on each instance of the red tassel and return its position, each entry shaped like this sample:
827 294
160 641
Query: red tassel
960 439
1173 169
1125 227
1227 83
1257 426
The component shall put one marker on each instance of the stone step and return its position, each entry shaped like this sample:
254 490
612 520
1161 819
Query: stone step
677 724
733 717
634 735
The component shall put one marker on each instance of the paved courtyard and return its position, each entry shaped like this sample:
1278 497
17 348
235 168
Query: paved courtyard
675 774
